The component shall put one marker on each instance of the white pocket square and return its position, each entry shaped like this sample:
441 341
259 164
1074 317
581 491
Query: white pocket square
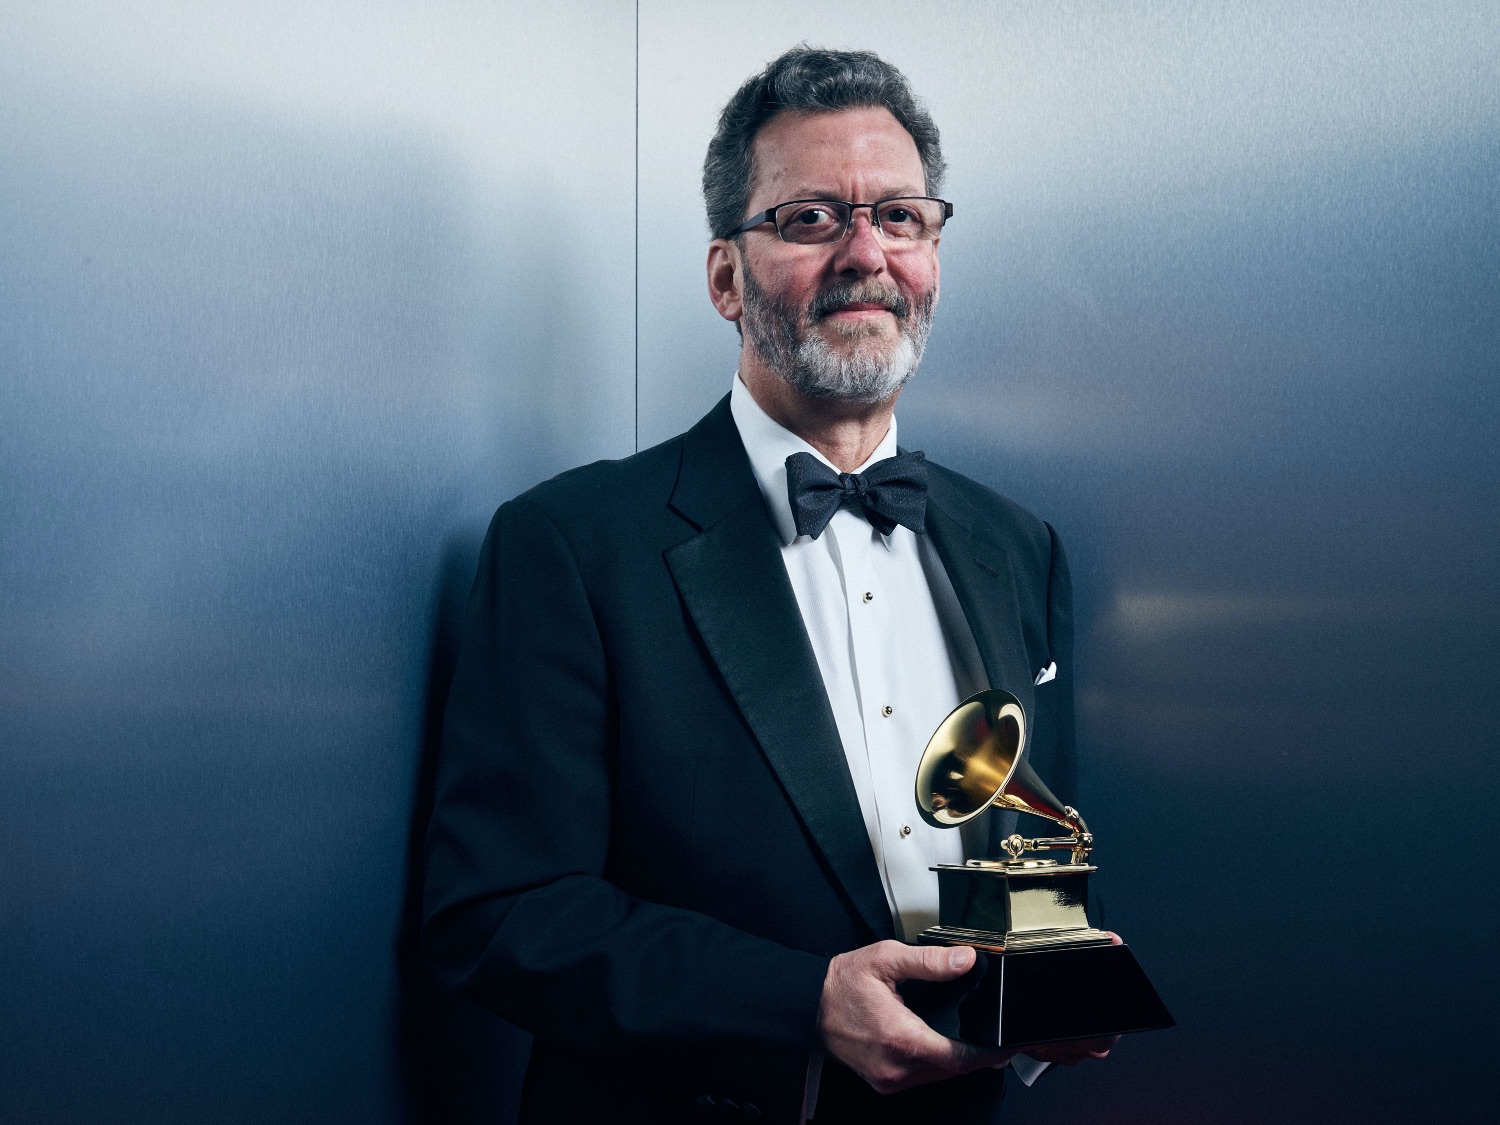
1047 673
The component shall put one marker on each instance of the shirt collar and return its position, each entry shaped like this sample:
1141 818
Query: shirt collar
769 444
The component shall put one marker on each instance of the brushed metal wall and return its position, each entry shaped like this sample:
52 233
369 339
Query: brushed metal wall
1220 302
278 329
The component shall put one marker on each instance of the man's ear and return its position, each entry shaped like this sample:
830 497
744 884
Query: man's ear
726 279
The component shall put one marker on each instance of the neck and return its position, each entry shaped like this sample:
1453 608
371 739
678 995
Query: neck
844 432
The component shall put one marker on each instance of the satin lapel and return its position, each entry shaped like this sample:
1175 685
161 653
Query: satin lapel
734 585
980 572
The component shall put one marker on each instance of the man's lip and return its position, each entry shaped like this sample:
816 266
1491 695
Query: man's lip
860 307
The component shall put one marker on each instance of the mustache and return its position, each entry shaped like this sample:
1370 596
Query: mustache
832 299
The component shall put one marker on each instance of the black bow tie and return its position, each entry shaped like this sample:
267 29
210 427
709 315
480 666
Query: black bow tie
890 492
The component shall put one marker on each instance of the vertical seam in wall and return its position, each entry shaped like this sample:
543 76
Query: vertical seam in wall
637 283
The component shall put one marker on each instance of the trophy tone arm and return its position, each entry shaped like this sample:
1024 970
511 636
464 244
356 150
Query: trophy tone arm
1080 843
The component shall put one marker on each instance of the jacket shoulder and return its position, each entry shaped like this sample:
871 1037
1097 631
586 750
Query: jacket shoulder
590 495
989 513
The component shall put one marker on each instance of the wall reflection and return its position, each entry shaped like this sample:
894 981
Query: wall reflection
274 344
1216 303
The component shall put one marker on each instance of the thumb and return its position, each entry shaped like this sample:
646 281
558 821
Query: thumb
934 962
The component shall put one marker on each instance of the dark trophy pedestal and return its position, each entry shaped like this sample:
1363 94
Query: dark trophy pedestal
1043 974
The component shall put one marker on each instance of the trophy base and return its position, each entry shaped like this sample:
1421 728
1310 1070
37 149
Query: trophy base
1025 997
1024 941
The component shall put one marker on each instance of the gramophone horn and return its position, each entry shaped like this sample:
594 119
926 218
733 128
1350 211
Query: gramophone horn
970 758
975 759
1025 792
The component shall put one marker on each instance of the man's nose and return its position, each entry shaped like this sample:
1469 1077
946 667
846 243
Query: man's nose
860 252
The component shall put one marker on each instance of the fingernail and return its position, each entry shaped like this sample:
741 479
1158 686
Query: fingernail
961 958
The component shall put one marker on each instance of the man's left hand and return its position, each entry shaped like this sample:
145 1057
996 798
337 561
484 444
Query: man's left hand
1074 1051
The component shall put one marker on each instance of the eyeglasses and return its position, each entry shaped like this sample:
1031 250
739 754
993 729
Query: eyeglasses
811 221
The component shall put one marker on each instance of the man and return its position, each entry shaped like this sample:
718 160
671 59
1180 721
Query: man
674 833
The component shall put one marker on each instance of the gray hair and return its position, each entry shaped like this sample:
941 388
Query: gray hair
806 80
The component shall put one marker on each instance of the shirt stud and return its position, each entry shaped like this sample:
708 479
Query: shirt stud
906 830
869 597
887 710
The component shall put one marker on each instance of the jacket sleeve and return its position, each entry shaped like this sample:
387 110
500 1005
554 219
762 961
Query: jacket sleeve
519 913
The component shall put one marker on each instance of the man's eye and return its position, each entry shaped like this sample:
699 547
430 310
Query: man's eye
811 216
897 215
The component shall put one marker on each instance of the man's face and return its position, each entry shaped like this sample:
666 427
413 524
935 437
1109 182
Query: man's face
846 320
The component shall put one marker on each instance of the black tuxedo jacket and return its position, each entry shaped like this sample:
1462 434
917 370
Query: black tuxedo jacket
645 844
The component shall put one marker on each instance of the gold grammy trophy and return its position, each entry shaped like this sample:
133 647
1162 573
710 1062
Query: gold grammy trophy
1048 974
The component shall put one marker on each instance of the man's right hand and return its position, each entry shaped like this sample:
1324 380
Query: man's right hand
865 1025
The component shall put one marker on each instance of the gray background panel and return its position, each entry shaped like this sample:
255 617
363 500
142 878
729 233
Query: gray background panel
277 332
1219 303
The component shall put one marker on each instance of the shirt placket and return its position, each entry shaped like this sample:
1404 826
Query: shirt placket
874 637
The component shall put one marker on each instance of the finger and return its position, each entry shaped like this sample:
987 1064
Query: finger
931 962
951 1057
922 1048
1069 1058
1114 938
1094 1048
971 1056
1070 1054
1060 1058
919 1055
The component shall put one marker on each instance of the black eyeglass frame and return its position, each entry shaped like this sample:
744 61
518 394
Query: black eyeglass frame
769 216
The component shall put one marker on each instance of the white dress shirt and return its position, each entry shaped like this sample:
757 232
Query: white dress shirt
896 656
893 663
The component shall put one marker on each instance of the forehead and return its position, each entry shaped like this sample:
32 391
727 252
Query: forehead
849 154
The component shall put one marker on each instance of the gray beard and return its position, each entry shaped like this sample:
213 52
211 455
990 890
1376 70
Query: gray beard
870 373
